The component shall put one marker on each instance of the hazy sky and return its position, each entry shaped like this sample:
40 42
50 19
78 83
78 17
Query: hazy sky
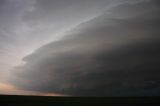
80 47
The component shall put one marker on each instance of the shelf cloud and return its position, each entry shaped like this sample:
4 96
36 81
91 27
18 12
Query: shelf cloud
114 54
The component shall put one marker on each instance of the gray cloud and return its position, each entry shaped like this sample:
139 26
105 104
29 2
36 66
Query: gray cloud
25 25
11 13
110 55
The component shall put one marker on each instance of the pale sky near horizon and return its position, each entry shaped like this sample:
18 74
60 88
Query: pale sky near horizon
33 38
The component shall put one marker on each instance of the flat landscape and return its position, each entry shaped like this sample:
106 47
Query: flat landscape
12 100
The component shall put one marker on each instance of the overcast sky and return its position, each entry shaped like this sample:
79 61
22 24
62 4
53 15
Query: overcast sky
80 47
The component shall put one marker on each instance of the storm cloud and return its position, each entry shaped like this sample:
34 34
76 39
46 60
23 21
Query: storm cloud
114 54
26 25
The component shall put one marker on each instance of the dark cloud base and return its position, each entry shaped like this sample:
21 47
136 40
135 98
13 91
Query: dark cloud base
115 56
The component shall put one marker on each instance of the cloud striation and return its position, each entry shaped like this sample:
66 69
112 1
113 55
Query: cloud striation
115 54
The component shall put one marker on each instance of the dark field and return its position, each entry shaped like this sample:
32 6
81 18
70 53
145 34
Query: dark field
6 100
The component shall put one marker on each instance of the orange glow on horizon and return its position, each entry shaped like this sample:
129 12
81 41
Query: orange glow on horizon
7 89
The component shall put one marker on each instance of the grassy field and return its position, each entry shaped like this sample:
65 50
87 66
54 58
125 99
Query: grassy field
11 100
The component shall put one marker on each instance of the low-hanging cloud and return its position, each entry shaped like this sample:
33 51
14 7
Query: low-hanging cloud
110 55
